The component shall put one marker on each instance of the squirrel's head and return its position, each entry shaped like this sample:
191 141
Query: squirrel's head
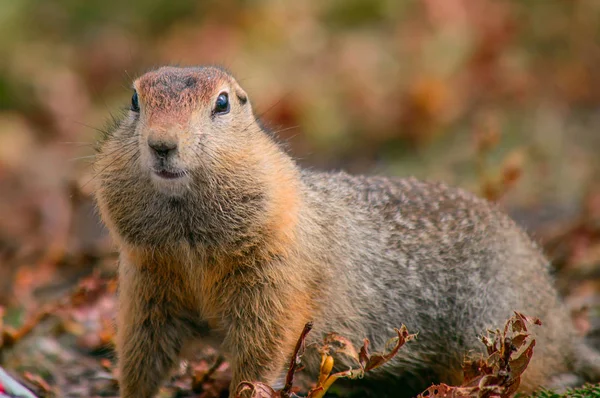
189 162
183 118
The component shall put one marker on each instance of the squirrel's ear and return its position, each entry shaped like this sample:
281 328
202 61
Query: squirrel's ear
240 94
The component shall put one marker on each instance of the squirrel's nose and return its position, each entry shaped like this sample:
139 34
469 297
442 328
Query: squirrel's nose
162 148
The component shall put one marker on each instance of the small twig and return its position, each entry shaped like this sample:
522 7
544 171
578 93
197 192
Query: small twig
11 336
87 288
206 376
295 361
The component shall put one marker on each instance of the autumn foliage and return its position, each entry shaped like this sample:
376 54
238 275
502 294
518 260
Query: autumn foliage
495 376
499 97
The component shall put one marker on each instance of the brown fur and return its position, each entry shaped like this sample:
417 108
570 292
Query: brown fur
244 248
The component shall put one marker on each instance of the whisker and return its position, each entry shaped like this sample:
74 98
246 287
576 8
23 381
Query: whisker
82 157
200 146
75 142
260 115
127 73
126 151
285 129
99 130
119 157
119 148
107 154
132 159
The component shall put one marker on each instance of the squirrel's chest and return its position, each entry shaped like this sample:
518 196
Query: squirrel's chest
211 297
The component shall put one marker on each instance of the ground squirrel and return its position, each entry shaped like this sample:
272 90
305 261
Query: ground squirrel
223 237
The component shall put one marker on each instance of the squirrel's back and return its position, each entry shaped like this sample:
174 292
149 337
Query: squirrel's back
442 261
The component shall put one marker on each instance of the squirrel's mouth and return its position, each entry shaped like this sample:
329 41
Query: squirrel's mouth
169 175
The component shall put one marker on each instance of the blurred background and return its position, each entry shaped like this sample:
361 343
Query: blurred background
501 97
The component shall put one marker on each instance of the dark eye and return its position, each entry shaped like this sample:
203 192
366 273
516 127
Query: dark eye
135 105
222 104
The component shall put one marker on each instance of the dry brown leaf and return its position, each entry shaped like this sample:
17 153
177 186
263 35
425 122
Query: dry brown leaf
256 390
374 361
262 390
38 381
332 343
341 345
296 361
498 375
446 391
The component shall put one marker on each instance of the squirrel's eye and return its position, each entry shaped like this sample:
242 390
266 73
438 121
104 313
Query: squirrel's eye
222 104
135 105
